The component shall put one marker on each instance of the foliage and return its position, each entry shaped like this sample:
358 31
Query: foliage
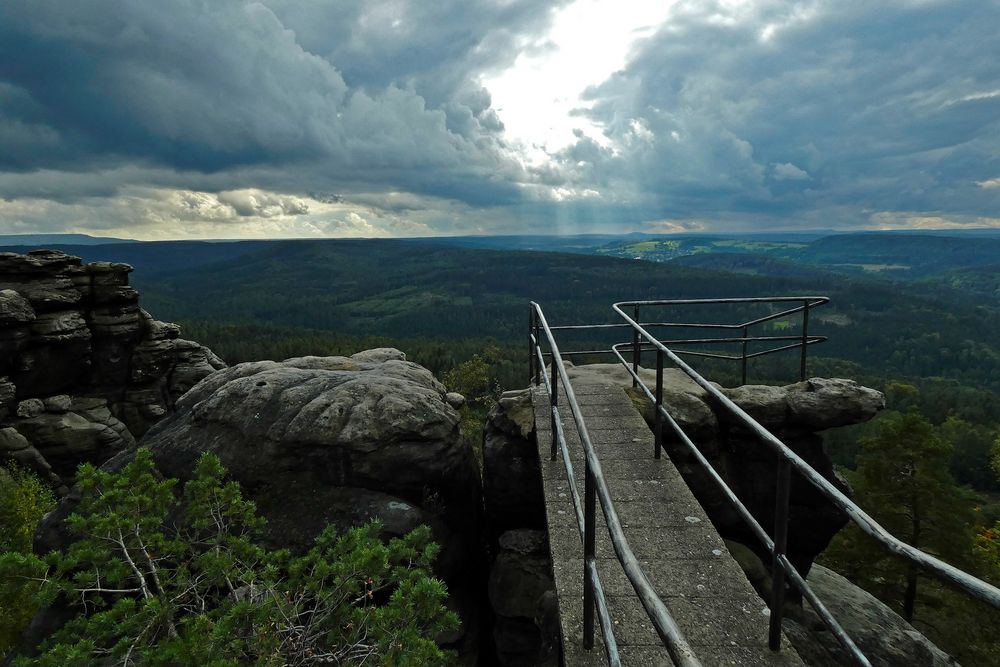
475 379
24 500
903 482
159 577
972 444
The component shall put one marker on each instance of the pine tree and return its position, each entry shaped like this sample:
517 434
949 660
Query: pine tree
159 577
903 482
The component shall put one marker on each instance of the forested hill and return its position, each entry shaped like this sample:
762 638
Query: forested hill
404 289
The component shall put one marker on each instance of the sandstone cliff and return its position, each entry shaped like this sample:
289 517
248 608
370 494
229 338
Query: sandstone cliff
84 371
327 440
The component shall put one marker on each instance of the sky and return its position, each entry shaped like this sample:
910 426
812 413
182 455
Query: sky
372 118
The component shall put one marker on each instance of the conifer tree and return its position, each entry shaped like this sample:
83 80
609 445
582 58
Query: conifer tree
158 577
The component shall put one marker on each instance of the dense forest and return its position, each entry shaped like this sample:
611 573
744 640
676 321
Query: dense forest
913 317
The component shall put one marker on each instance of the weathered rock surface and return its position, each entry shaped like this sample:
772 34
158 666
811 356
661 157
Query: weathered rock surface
512 482
342 421
526 625
881 634
521 590
319 440
83 370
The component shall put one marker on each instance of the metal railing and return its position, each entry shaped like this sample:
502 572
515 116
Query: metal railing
787 460
596 489
778 343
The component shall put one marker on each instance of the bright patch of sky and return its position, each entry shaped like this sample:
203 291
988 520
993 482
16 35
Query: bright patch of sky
252 118
589 40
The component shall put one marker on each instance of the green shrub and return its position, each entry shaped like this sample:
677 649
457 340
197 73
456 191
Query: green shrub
162 577
24 500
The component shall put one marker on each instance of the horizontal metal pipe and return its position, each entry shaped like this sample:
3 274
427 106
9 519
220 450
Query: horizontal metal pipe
814 301
646 347
975 587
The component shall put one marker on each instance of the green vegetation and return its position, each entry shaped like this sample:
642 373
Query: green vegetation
924 334
903 481
24 500
162 577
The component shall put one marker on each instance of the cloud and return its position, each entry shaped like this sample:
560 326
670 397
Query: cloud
345 93
773 112
786 171
220 118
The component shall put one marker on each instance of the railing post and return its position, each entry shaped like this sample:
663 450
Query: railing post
554 377
541 365
744 355
780 546
805 338
531 344
658 417
636 348
589 530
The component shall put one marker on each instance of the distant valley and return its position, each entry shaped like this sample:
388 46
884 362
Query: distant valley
934 318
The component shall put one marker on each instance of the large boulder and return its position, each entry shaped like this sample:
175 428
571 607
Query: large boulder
882 635
334 421
321 440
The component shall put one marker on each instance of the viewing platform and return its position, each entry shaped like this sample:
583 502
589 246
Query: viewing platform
723 618
642 575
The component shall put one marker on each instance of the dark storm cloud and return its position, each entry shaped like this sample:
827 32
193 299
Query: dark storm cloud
798 107
363 92
823 113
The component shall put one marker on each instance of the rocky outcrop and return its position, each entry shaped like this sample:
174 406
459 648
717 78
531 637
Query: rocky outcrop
522 596
341 440
83 370
512 480
521 590
882 635
794 413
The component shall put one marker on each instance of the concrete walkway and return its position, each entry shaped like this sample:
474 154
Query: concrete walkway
678 547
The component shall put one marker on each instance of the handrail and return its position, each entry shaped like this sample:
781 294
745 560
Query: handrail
787 459
748 518
604 618
596 486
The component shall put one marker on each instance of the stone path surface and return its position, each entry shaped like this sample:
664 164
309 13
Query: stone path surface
678 547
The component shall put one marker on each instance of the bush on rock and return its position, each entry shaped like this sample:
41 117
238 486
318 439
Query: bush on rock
162 577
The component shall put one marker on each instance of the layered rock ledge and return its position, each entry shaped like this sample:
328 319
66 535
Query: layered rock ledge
84 371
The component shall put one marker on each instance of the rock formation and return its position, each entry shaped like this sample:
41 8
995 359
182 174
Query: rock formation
84 371
882 635
521 590
319 440
512 481
795 413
